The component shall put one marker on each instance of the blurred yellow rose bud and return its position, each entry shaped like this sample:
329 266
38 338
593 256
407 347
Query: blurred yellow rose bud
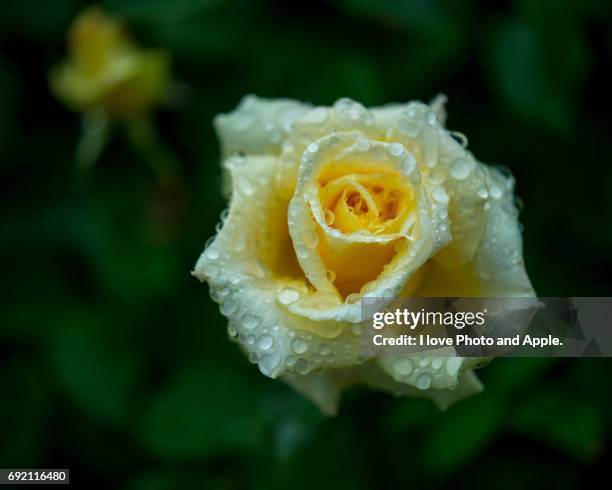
330 205
106 70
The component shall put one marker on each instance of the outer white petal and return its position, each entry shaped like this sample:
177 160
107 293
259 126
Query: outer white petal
325 388
484 257
257 126
256 298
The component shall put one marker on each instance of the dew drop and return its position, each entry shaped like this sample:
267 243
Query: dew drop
396 149
268 364
250 321
330 217
317 116
409 128
424 362
301 251
325 350
265 342
409 164
331 275
403 367
301 366
212 253
288 295
299 346
496 192
442 214
311 238
437 176
460 168
423 381
440 195
313 147
228 307
483 193
352 298
363 145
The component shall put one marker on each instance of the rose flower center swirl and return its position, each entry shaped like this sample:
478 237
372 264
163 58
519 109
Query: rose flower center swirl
372 202
361 199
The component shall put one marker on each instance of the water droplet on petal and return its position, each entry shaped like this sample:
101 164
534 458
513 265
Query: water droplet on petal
330 217
299 346
311 238
288 295
443 214
440 195
265 342
483 193
268 364
496 192
403 367
409 128
313 147
301 251
409 164
352 298
396 149
460 168
212 253
423 381
302 366
228 307
317 116
250 321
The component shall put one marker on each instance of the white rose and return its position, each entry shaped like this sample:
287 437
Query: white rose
332 204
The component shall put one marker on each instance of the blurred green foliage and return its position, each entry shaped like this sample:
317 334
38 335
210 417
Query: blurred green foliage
115 363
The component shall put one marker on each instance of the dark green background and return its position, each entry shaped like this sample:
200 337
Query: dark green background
115 363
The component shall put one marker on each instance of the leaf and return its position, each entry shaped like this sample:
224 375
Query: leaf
96 373
205 410
462 434
537 76
568 423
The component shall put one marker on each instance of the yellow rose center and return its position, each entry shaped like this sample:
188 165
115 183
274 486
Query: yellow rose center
362 198
365 202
